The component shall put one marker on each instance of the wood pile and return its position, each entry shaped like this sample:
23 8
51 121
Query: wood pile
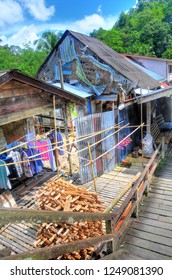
63 196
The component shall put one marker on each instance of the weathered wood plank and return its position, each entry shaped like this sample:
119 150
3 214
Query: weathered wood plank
144 253
148 203
152 246
24 114
151 237
158 211
151 229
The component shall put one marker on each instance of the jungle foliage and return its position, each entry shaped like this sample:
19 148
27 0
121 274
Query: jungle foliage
145 30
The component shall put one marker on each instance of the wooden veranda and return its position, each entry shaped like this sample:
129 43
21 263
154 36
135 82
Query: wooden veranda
122 193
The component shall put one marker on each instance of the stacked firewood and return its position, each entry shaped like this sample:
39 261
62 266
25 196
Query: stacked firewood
63 196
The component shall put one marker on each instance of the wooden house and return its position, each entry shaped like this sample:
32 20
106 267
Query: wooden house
108 81
22 99
91 69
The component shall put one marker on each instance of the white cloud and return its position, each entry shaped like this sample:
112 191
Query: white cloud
23 36
94 21
38 9
10 12
86 25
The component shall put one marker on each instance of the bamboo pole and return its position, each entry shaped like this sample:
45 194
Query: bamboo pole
55 135
102 139
92 166
122 193
67 137
141 118
23 143
115 145
19 162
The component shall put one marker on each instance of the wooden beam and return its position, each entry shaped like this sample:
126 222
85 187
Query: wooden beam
13 215
13 117
59 250
156 95
17 104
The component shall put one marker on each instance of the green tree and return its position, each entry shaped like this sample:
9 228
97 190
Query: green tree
26 60
48 41
156 34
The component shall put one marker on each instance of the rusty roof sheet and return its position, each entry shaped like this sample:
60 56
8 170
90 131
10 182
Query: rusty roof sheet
116 60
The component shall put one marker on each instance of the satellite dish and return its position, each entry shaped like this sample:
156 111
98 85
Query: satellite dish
132 86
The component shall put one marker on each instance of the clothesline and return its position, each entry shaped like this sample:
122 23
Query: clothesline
57 148
38 137
19 162
115 145
102 139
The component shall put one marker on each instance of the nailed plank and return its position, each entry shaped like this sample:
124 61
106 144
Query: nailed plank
151 237
156 217
152 246
159 196
148 228
155 223
158 211
146 254
148 203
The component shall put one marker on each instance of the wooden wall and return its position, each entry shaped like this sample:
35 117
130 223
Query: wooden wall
19 101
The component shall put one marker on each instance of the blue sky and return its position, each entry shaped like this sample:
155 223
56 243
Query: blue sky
24 20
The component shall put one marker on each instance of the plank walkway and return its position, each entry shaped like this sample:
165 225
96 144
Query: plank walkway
150 235
20 237
109 185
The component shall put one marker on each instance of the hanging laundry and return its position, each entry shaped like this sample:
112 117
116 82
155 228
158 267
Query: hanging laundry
42 146
29 153
17 159
124 143
37 161
12 168
4 180
59 141
26 165
51 157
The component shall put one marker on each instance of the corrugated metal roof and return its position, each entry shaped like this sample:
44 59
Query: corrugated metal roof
116 60
149 72
3 72
74 90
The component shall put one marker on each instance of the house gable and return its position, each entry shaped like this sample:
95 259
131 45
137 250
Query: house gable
90 63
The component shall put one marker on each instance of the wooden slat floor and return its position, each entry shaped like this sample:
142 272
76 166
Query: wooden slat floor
150 235
20 237
109 185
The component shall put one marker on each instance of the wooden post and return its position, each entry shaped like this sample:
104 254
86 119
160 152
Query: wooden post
64 110
148 117
61 74
92 166
163 148
55 135
109 230
136 210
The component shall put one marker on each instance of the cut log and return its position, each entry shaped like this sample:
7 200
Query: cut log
64 196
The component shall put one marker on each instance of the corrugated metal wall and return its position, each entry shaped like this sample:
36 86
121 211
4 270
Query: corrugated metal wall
123 116
90 124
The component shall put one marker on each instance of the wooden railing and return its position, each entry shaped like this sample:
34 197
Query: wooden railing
117 218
